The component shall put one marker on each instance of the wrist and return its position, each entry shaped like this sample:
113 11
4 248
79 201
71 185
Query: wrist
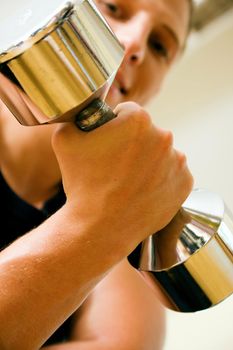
89 235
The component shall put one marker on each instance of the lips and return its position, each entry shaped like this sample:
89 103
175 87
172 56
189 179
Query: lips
121 84
120 87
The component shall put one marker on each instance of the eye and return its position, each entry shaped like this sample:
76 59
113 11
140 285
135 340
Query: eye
159 47
110 9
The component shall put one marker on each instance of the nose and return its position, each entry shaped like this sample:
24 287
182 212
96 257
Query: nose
133 35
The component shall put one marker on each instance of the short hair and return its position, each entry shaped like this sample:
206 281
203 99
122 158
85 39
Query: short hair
190 22
191 11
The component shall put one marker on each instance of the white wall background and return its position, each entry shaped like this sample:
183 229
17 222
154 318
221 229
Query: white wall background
197 105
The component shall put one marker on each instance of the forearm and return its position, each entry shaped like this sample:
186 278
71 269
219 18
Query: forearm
122 313
90 345
84 345
45 276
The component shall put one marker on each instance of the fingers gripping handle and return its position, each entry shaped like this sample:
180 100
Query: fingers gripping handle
95 115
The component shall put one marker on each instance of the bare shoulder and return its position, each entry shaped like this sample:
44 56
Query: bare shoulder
2 107
3 128
123 309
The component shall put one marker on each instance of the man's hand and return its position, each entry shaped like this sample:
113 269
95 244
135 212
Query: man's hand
125 177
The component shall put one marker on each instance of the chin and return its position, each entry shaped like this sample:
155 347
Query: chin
114 96
112 102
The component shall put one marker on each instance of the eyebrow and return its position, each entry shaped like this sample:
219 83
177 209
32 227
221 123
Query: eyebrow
173 34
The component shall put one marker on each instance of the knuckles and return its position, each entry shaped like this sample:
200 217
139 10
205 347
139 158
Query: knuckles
182 159
190 182
186 176
134 115
167 139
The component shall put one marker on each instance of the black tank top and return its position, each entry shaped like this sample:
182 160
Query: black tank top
18 217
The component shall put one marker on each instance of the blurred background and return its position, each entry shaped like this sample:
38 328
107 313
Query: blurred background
197 105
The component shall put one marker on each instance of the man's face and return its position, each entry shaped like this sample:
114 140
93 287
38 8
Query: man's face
153 33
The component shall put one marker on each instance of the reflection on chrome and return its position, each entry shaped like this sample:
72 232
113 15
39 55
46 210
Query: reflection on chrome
191 239
191 259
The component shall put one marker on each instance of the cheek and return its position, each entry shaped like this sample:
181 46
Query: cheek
149 81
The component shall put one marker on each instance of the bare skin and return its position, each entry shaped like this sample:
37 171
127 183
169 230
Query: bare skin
79 252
